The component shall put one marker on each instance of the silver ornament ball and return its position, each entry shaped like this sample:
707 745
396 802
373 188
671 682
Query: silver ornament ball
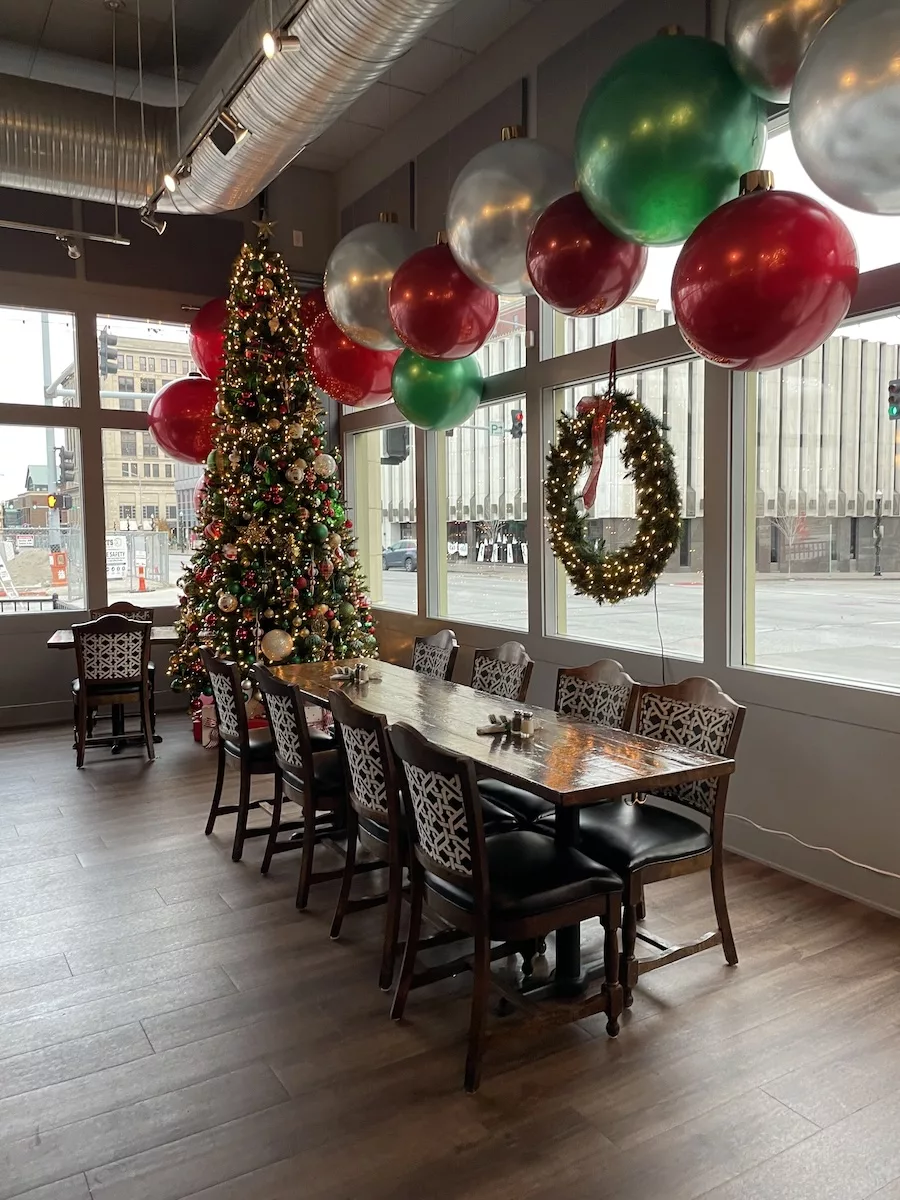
494 204
767 40
358 278
324 466
277 644
845 107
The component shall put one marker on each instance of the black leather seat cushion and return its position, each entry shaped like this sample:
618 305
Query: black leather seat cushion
321 739
530 874
375 829
525 806
261 749
495 818
107 689
627 837
327 773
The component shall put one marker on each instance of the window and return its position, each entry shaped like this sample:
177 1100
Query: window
144 343
126 403
150 448
126 384
168 470
120 361
128 442
38 354
822 548
126 512
505 348
41 527
483 505
639 314
384 514
171 512
670 619
185 366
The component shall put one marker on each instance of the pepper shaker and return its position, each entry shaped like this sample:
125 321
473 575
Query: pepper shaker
516 721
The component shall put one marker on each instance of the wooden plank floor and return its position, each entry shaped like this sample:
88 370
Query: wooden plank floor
173 1027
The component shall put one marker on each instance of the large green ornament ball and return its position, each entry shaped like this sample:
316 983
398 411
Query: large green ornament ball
664 138
346 611
435 394
318 532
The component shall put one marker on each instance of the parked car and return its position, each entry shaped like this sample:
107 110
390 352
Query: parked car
401 554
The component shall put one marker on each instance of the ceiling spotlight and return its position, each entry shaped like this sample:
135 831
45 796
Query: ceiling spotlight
72 248
227 132
274 43
152 220
170 182
171 179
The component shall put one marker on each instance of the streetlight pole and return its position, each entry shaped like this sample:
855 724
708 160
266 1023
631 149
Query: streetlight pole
878 534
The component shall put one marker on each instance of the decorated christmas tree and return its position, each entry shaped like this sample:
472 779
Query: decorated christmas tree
275 577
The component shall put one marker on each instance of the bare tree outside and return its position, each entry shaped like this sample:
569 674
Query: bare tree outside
791 530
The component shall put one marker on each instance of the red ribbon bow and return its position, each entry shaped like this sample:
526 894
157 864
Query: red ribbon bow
601 407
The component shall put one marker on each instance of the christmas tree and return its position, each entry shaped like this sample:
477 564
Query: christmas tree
275 577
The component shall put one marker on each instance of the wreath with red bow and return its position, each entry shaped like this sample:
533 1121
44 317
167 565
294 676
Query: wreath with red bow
650 462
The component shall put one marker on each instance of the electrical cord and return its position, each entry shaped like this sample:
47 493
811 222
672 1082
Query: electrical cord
809 846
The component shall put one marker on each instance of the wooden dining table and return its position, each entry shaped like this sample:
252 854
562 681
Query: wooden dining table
569 762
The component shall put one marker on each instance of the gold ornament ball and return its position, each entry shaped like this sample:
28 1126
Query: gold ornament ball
334 540
227 603
295 431
269 614
277 644
335 624
273 423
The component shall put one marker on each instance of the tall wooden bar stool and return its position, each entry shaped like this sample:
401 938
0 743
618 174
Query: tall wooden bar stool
112 656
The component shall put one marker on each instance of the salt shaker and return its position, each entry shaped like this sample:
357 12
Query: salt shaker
527 724
362 673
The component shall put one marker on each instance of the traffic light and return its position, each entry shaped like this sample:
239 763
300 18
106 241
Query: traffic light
518 424
894 400
109 362
66 466
58 502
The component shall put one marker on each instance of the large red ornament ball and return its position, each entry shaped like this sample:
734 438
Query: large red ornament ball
207 338
348 372
181 418
312 305
436 309
764 280
578 265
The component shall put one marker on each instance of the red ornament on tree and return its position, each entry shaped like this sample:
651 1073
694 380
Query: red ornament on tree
348 372
764 279
436 309
181 418
577 265
312 305
207 337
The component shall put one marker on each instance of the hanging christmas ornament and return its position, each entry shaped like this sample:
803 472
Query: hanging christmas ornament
768 39
199 493
494 203
436 309
294 431
324 466
181 418
664 138
436 395
207 338
319 626
358 278
326 569
276 645
844 107
312 305
226 602
318 532
294 474
576 264
350 373
334 540
765 279
230 551
213 531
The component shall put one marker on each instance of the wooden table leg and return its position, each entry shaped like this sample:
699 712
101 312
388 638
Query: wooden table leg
569 978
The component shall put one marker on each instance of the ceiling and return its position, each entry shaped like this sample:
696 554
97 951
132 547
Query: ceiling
70 42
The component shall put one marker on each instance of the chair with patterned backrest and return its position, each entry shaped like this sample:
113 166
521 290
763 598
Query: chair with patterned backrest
601 693
504 671
510 887
645 842
310 774
124 608
112 654
435 655
250 749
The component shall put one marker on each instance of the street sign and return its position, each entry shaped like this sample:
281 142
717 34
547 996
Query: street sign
116 557
23 540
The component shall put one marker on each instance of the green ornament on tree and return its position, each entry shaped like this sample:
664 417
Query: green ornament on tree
433 394
318 532
346 610
339 582
664 138
248 601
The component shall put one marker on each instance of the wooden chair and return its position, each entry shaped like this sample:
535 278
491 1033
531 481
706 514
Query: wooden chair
504 672
645 842
510 887
112 655
602 693
435 655
312 778
124 608
250 749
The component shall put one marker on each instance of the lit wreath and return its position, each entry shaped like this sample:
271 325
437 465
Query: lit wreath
648 457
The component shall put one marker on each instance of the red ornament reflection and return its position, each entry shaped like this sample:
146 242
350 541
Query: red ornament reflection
181 418
578 265
436 309
764 280
348 372
199 493
312 305
207 338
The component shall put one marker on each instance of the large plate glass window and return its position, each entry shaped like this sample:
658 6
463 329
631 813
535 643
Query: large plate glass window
383 466
135 359
38 353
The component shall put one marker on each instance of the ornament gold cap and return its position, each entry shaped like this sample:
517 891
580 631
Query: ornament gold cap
757 181
441 239
388 218
510 132
671 31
